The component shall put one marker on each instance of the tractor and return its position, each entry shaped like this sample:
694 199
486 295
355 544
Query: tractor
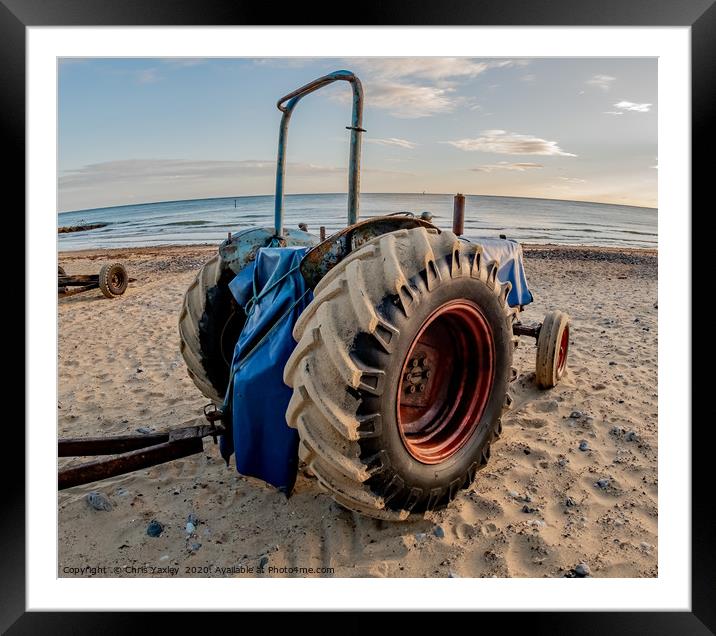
378 360
404 334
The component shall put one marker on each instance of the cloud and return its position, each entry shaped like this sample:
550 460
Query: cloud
631 106
573 180
434 69
601 81
506 165
613 112
410 88
392 141
507 143
159 172
148 76
408 101
170 170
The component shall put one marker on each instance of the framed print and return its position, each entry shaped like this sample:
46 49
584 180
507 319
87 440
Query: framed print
377 317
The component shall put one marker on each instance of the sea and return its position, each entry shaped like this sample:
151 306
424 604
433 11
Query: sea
209 220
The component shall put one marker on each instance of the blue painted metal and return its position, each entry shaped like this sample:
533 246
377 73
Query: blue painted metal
241 248
286 105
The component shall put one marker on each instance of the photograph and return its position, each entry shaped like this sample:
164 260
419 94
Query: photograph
405 328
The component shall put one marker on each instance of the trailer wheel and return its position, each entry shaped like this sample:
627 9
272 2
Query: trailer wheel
401 372
210 323
552 349
113 280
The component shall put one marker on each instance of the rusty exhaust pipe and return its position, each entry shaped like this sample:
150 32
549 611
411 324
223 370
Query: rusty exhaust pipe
458 214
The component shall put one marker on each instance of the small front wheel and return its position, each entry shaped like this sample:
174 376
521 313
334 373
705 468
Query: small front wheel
552 349
113 280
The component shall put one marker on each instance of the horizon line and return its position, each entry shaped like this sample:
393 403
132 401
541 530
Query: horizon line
297 194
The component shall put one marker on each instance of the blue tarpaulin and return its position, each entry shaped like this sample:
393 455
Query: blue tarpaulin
273 293
509 254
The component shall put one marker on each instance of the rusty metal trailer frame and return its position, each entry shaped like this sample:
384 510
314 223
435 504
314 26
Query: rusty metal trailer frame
130 452
82 283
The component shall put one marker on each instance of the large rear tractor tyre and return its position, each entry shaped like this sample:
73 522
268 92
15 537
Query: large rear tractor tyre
401 373
209 326
113 280
552 349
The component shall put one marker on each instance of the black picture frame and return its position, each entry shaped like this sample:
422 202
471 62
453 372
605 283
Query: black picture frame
700 15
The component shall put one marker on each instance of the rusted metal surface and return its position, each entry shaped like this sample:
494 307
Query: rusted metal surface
286 105
80 282
77 290
532 331
241 247
458 214
131 452
86 446
326 255
447 379
79 279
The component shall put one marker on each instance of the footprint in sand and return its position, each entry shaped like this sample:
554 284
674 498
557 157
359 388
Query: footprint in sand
531 422
548 406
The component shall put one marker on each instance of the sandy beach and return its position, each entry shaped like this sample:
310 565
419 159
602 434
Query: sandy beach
535 511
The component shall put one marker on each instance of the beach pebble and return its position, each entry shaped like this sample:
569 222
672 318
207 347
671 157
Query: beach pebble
263 562
581 570
144 430
190 527
528 509
98 501
192 518
154 529
612 363
569 502
420 536
584 445
603 483
195 546
438 532
576 415
630 436
452 575
563 461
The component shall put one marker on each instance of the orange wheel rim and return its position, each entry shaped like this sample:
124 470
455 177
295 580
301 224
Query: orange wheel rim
446 381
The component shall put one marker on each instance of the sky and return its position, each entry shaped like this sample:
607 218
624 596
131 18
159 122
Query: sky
133 130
